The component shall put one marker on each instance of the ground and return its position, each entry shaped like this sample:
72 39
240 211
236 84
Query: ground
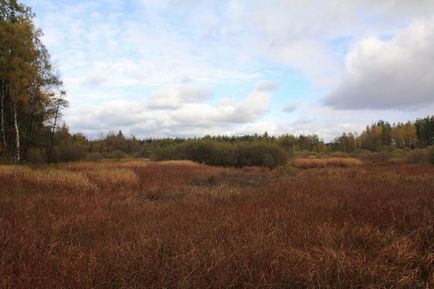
140 224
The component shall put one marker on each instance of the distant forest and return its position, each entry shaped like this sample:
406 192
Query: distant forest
32 99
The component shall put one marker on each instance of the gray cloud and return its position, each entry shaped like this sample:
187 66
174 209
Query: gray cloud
396 74
290 108
267 86
174 97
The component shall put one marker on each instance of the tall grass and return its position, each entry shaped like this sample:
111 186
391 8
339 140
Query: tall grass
326 162
175 225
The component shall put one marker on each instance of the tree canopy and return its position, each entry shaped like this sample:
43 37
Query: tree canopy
31 93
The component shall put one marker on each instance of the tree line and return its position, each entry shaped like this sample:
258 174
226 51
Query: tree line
383 135
32 99
378 137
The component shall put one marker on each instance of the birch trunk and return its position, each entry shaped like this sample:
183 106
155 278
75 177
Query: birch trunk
16 129
2 112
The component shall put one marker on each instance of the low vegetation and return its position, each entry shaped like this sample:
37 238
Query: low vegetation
224 154
326 162
179 224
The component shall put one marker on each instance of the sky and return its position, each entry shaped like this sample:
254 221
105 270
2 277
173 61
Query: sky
184 68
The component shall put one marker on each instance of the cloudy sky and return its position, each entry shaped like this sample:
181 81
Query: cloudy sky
193 67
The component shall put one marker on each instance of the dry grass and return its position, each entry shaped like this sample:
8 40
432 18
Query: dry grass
113 179
176 225
326 162
178 162
48 180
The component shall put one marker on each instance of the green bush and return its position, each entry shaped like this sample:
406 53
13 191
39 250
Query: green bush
94 157
116 154
431 155
68 152
36 155
260 154
240 154
339 154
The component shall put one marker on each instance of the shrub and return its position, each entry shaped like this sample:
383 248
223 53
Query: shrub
116 154
419 156
165 153
377 156
339 154
260 154
431 156
36 155
223 154
361 153
94 157
68 152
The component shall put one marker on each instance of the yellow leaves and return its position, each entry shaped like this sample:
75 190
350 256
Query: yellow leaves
18 54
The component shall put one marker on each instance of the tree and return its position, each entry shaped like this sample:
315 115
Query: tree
425 131
58 103
346 143
28 82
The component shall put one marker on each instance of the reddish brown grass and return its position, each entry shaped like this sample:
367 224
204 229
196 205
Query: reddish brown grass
119 225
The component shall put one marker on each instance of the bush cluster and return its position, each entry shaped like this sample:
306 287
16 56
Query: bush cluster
240 154
421 156
431 155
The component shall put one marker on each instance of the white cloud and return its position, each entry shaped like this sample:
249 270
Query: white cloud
192 114
387 74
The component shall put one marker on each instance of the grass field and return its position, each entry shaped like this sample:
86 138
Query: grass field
140 224
307 163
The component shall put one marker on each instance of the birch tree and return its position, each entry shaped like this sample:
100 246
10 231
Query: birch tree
27 80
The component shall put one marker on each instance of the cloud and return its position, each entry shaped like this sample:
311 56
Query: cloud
267 86
174 97
311 35
192 114
290 108
389 74
141 65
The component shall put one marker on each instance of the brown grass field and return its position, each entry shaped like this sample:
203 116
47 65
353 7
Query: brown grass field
309 163
140 224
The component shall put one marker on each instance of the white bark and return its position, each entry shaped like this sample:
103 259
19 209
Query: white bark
2 112
17 132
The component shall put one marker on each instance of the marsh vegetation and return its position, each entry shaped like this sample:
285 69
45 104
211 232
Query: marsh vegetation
179 224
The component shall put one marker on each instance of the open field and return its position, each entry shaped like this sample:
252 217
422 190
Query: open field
141 224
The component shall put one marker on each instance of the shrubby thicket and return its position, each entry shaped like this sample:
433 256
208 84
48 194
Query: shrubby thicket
239 154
